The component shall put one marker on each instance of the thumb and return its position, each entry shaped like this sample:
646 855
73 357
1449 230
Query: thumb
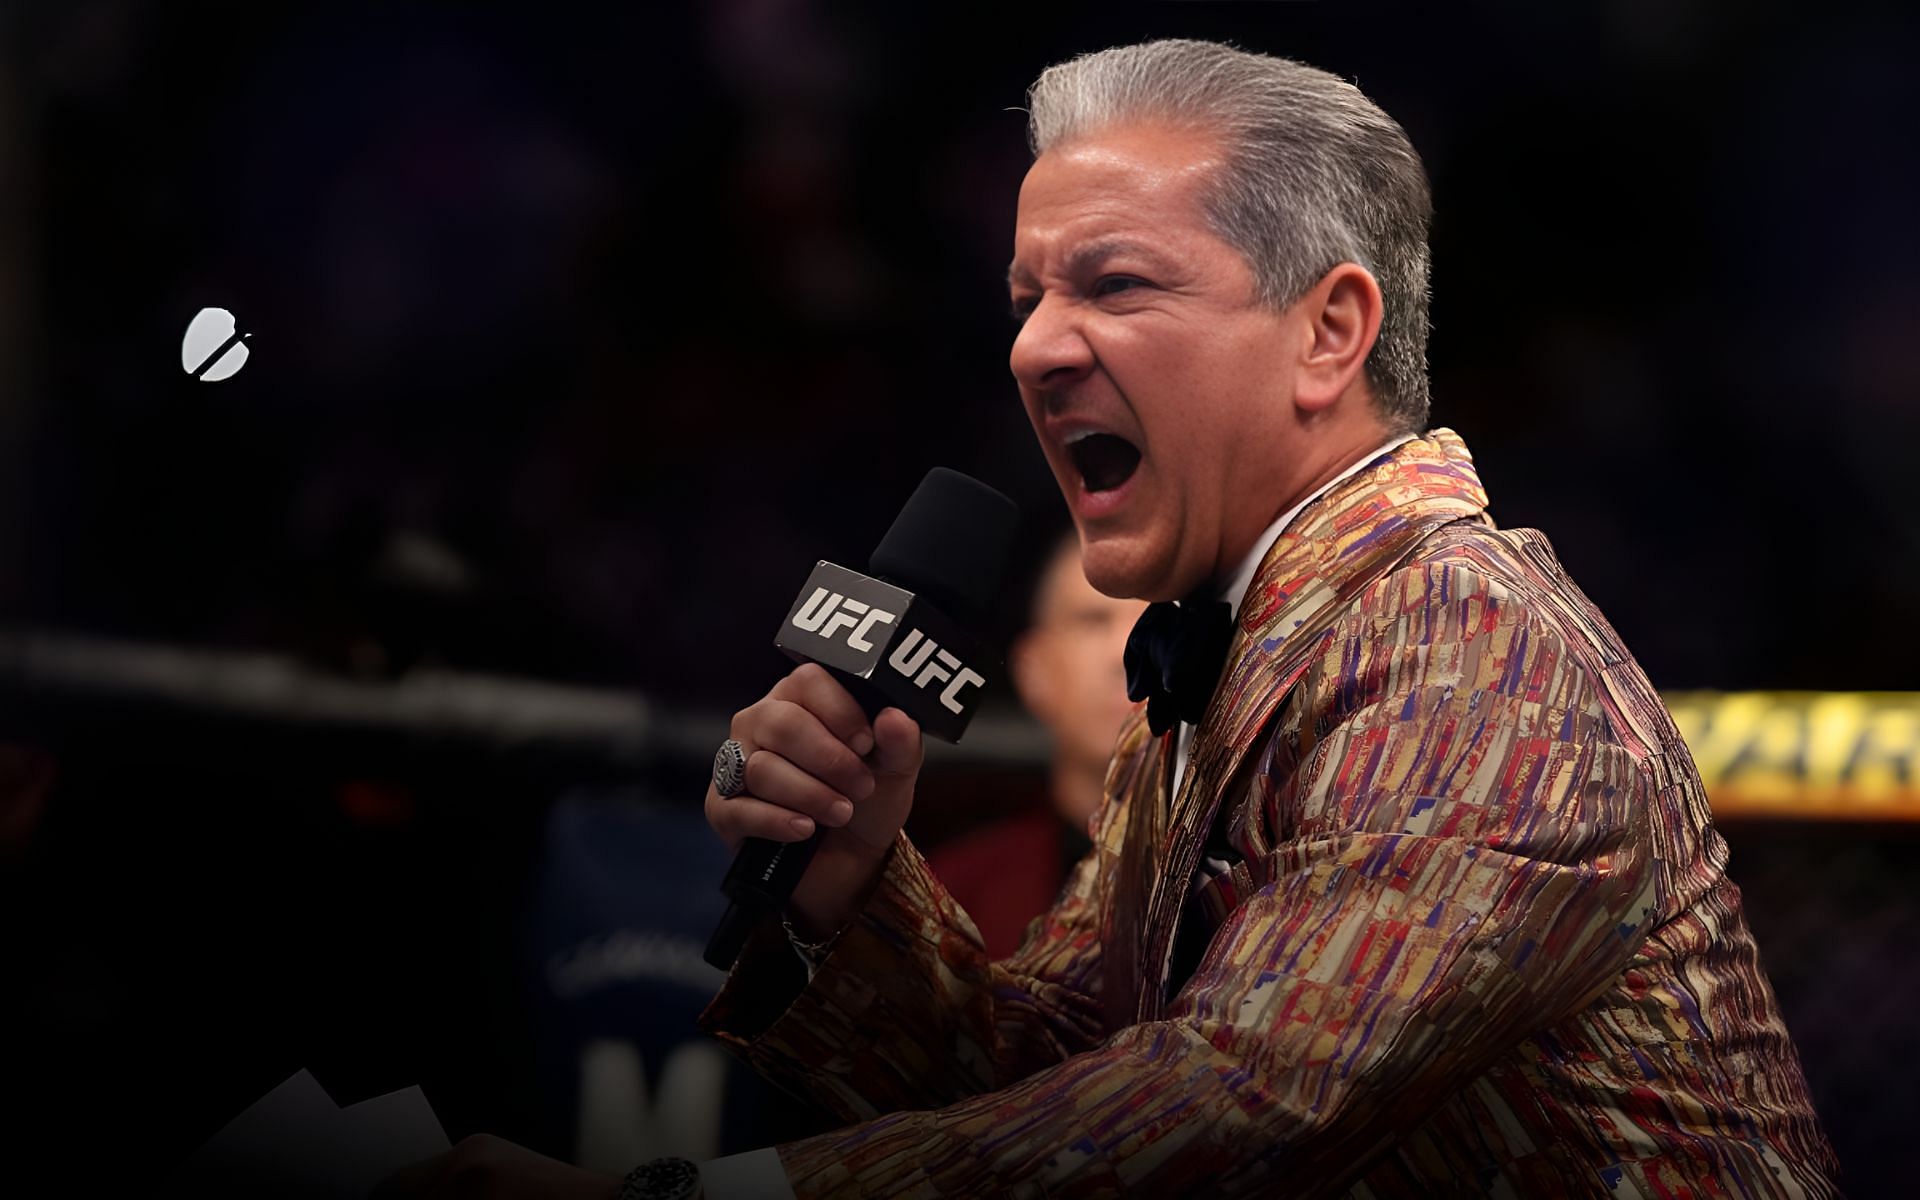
897 745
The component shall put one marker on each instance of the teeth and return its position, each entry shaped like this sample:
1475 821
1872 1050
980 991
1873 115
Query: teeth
1081 436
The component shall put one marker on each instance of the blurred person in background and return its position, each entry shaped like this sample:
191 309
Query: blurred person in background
1066 665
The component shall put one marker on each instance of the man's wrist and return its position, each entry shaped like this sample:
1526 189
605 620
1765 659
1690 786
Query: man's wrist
807 930
813 951
834 891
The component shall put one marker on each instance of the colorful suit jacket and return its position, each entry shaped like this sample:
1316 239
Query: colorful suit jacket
1466 928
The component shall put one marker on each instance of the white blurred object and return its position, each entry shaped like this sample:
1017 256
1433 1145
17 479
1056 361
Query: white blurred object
295 1142
621 1124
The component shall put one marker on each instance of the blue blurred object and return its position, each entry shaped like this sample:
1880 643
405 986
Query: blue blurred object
624 898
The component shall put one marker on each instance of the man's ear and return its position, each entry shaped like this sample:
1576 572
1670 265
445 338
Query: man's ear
1341 317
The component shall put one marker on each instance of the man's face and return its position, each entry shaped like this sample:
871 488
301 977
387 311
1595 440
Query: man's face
1160 391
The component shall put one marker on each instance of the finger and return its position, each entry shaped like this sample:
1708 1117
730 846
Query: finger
415 1180
745 816
796 734
898 747
775 780
815 689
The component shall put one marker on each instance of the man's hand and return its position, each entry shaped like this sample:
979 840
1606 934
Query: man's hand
489 1168
815 761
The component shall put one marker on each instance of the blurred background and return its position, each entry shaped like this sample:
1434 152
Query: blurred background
354 710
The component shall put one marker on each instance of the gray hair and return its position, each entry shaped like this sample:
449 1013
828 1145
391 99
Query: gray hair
1315 175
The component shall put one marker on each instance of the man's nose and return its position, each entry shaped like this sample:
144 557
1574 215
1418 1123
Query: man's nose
1050 349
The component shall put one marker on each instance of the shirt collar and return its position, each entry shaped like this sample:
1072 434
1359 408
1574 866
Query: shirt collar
1242 579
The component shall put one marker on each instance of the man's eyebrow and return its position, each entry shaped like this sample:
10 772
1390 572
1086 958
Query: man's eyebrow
1088 257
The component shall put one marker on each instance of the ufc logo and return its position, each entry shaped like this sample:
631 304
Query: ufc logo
827 613
906 659
898 643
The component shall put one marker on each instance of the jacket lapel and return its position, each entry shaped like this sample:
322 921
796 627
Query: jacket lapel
1335 549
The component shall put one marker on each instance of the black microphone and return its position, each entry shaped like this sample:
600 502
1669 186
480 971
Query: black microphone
899 637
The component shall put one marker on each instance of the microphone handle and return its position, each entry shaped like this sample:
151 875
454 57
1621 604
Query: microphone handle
765 872
762 877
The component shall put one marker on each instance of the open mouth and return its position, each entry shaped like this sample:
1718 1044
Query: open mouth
1104 460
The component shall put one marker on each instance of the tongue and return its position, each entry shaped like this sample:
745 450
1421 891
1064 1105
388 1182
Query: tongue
1104 461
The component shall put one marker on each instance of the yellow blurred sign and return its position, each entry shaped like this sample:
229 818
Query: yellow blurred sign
1805 755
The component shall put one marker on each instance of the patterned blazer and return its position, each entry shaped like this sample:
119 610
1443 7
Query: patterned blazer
1438 910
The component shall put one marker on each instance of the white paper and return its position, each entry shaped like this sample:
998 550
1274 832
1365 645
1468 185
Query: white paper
755 1175
386 1133
296 1142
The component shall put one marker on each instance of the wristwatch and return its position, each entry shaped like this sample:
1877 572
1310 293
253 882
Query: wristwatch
662 1179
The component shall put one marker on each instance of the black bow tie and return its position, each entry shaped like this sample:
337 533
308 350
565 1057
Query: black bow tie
1174 657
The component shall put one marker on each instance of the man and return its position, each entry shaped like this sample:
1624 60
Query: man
1417 895
1066 666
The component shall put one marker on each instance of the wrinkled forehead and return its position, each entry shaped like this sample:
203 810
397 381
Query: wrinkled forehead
1135 184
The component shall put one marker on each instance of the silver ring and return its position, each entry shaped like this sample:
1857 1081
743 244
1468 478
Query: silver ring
730 768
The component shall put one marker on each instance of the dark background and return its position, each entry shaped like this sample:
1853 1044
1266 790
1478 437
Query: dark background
579 332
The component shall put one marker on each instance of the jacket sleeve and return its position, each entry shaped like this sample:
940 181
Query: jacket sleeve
1466 858
907 1011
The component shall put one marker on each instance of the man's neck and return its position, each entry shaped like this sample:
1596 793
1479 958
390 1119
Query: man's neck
1233 587
1333 457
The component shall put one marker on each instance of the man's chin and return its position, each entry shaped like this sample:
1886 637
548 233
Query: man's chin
1125 572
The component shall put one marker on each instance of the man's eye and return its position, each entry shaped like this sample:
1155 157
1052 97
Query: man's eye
1022 309
1108 285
